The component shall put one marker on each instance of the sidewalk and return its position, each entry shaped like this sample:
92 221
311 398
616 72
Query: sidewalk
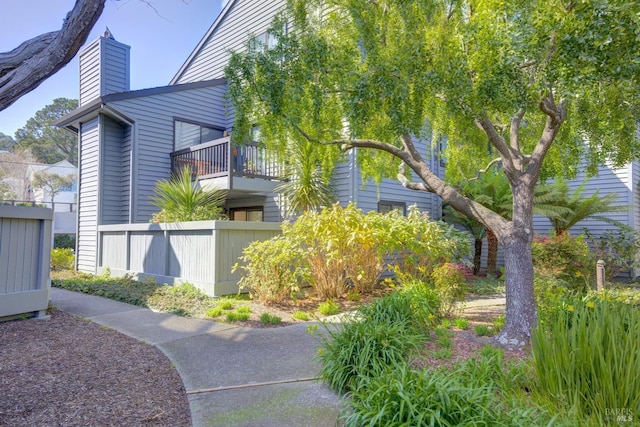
233 376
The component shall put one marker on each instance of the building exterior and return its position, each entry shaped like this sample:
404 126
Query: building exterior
128 140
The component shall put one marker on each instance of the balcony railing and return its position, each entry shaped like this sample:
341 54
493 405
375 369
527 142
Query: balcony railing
212 159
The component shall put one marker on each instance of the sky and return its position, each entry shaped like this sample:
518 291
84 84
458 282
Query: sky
161 40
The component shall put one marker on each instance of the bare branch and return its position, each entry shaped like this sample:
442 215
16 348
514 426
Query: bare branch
407 183
514 133
481 171
24 68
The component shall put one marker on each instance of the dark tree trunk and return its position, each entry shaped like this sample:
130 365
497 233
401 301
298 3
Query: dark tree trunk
492 253
477 257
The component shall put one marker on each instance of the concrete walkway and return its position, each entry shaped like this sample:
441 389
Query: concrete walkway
233 376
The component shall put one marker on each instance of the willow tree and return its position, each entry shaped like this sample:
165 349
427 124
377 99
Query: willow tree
533 85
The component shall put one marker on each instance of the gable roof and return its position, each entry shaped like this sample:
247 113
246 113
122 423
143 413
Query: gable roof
223 13
100 103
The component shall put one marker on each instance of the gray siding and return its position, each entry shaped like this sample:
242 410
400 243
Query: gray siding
126 178
229 33
154 117
115 210
104 69
88 195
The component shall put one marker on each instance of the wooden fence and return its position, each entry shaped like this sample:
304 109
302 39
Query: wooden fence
201 252
25 251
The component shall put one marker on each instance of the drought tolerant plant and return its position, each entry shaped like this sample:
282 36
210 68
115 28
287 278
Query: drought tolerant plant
272 269
182 199
450 286
62 259
587 359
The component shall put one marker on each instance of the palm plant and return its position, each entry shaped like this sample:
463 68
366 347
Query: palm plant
183 199
477 230
307 187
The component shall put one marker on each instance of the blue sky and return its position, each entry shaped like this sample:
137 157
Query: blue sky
160 40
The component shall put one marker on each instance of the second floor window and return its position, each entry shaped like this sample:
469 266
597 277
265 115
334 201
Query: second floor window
187 134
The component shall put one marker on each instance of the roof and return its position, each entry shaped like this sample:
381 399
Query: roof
196 51
100 103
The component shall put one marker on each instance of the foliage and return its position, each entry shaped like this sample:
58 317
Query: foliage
62 259
6 142
328 307
62 241
488 286
15 168
482 391
49 143
308 187
238 316
213 312
566 259
497 323
181 199
482 330
272 269
575 207
461 323
52 183
301 315
270 319
477 229
375 337
587 358
619 249
537 86
450 286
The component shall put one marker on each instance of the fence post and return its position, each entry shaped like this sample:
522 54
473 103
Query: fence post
600 275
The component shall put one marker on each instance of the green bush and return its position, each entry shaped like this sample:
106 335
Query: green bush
301 315
123 289
619 249
62 259
64 241
473 393
272 269
461 323
587 359
549 296
483 330
269 319
213 312
237 316
450 286
566 259
328 307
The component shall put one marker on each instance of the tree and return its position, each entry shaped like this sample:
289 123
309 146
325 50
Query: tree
28 65
49 143
6 142
477 230
52 184
532 85
16 172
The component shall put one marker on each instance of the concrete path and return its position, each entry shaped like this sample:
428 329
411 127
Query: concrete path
233 376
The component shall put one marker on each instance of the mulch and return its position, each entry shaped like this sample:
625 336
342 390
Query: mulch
67 371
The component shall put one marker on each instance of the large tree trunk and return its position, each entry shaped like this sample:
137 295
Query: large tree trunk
521 314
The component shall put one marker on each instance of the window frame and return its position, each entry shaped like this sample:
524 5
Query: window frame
195 123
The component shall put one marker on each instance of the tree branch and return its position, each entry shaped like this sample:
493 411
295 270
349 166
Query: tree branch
24 68
514 133
481 171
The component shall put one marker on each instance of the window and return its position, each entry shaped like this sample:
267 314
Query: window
254 214
187 134
385 206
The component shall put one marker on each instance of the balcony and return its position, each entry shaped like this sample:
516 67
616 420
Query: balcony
239 167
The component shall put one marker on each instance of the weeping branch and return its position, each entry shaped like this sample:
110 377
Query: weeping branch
28 65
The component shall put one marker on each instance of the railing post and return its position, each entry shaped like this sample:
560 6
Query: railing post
600 265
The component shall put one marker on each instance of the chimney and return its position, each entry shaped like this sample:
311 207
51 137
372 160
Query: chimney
104 68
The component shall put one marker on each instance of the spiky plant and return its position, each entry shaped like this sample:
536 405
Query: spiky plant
182 199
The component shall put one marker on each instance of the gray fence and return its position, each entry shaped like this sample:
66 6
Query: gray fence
25 251
202 252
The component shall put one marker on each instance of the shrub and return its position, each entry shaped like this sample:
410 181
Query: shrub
472 393
244 309
62 259
566 259
301 315
226 305
214 312
549 296
587 358
482 330
450 286
267 319
64 241
328 308
237 316
273 269
619 249
497 324
461 323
